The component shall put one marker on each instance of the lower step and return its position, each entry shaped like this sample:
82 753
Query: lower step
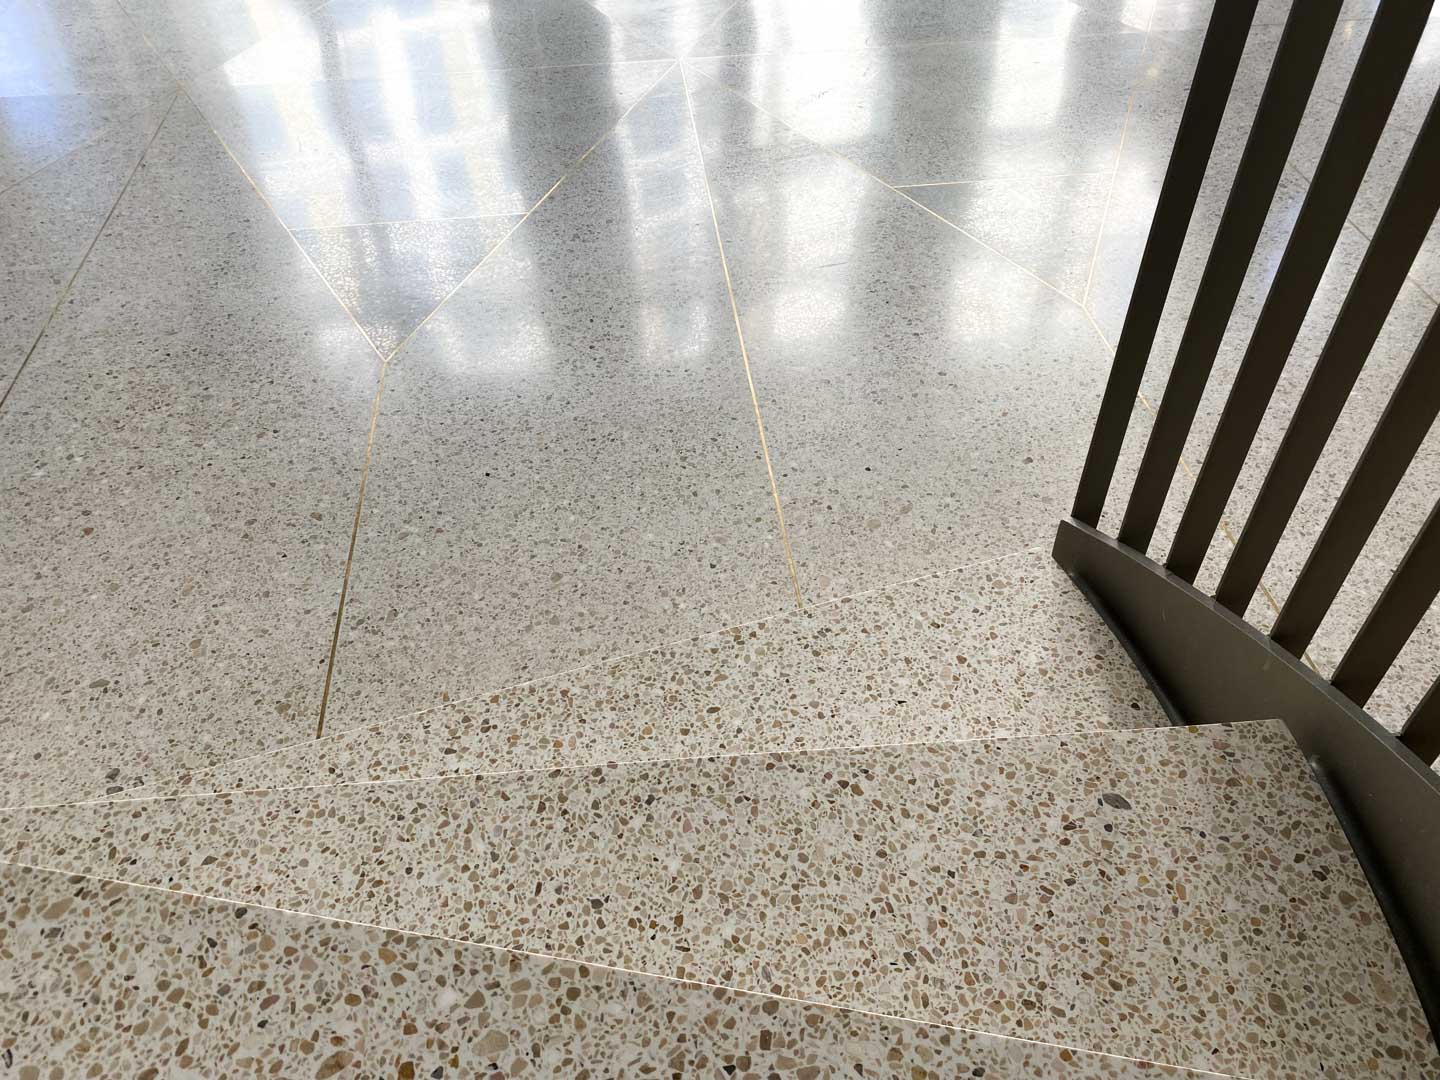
1176 895
103 979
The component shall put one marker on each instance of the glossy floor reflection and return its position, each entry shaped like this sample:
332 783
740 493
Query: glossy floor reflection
540 472
365 355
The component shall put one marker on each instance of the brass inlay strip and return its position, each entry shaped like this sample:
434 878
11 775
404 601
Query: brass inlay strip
744 352
69 284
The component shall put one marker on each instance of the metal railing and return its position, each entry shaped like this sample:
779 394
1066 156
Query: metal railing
1380 783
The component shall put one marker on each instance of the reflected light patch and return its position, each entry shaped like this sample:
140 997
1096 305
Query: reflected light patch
806 312
1030 78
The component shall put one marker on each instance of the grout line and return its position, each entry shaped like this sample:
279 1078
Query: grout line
379 389
999 179
65 292
887 184
350 550
711 25
110 125
281 222
565 175
633 973
660 761
406 221
374 409
1119 153
380 378
744 352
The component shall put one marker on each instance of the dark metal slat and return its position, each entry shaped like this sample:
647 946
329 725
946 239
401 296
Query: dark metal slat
1407 219
1204 108
1277 118
1379 73
1411 410
1407 597
1421 732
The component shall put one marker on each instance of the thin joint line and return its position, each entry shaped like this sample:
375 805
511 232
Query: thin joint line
379 390
662 762
65 292
350 550
887 184
1119 153
264 199
288 231
104 134
374 412
1000 179
569 171
379 382
744 352
404 221
633 973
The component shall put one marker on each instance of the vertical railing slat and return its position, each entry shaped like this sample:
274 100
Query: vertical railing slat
1403 426
1379 73
1407 597
1204 108
1421 732
1406 220
1272 133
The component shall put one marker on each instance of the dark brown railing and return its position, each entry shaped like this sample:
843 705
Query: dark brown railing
1207 663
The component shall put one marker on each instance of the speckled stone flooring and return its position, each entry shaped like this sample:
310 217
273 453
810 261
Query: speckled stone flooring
103 979
1008 647
483 485
1177 894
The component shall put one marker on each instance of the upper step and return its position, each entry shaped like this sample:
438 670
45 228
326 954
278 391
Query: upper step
1176 895
191 987
1008 647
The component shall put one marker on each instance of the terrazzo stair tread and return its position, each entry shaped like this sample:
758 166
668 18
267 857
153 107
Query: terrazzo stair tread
1177 895
101 978
1008 647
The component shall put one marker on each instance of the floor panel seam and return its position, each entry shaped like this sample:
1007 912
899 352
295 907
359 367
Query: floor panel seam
744 352
94 240
618 763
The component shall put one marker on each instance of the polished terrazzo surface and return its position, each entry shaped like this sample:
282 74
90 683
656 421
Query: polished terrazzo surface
357 334
559 405
1008 647
533 221
1180 894
109 977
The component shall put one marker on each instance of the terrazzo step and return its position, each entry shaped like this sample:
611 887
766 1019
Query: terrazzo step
1008 647
104 979
1174 895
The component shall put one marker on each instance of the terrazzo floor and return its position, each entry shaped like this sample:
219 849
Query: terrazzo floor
438 425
